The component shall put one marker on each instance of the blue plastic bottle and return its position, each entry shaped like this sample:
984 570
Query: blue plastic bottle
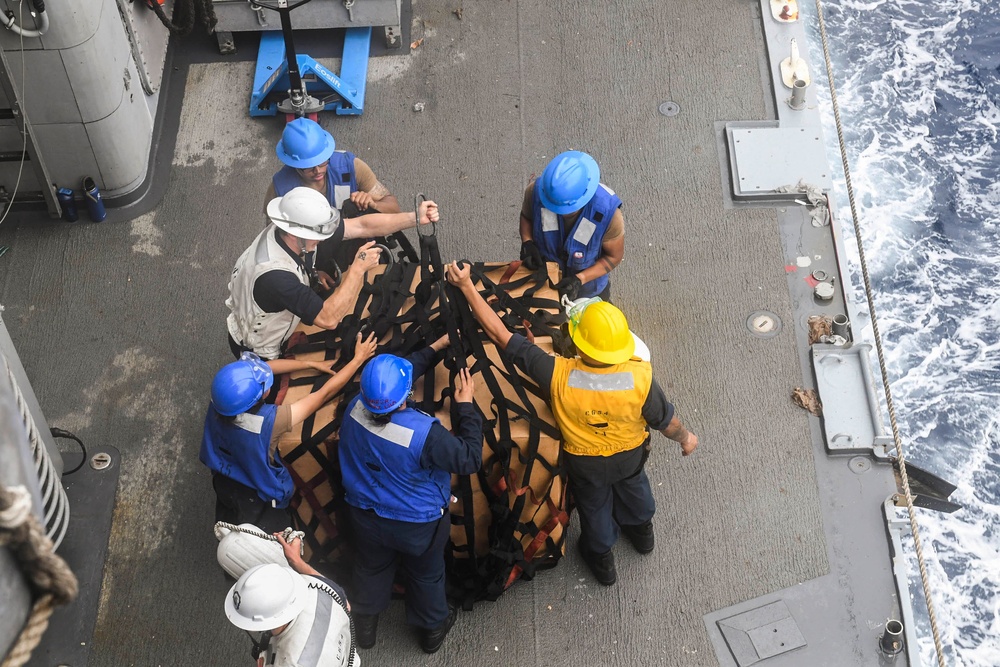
95 205
68 204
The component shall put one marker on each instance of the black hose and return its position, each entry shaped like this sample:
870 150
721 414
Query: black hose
186 14
61 433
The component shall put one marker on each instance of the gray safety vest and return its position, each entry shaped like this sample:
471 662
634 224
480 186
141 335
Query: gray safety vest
248 323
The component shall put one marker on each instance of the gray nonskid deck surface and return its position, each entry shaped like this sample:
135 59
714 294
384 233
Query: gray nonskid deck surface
121 325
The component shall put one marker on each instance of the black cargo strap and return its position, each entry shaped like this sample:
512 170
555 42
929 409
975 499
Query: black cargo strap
402 327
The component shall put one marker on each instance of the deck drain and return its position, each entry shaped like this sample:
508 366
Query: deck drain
860 465
764 324
669 108
100 461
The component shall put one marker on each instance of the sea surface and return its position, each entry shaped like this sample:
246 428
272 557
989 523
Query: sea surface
918 82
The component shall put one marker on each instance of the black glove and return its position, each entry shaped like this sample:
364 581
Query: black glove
569 287
531 256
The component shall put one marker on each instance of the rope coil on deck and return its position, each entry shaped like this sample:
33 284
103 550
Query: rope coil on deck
51 579
900 457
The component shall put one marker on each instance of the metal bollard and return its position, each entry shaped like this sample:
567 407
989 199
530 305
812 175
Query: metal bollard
67 202
890 642
798 99
842 326
95 205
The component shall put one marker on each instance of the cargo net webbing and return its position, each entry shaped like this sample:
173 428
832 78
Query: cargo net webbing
509 519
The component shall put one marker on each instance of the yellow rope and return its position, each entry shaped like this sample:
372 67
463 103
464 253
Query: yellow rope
900 458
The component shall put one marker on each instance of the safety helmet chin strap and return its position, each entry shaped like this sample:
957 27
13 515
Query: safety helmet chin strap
260 647
308 258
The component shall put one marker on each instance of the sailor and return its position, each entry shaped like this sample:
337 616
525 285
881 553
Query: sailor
397 463
296 617
241 435
604 402
568 216
310 159
271 286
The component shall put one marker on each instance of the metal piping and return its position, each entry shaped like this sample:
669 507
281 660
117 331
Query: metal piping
41 21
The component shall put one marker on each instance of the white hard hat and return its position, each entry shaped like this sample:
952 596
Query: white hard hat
265 597
305 213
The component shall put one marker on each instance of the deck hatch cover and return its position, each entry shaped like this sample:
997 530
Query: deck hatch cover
761 633
764 159
852 422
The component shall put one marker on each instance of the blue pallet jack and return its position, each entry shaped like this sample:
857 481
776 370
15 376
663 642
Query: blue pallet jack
310 86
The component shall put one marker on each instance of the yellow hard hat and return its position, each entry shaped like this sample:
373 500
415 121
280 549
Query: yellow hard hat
601 332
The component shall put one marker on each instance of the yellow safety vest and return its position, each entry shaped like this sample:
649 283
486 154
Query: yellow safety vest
599 408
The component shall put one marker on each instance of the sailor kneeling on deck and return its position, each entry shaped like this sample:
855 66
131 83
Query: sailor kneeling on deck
603 401
397 463
271 289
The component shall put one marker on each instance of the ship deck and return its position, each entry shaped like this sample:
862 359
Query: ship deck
120 327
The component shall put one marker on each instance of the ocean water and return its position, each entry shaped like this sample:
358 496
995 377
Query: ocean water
918 84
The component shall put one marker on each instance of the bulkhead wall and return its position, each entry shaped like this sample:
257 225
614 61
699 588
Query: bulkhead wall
79 87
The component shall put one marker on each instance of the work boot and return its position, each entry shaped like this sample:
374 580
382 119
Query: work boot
431 640
602 565
641 536
365 626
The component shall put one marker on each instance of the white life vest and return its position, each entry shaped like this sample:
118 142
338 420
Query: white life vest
320 636
248 323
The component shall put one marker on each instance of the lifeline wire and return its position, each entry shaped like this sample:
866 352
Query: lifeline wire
900 458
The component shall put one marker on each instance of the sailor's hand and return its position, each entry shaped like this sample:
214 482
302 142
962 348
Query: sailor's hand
365 349
325 281
689 444
427 213
292 549
569 287
363 200
531 256
459 276
367 258
465 388
322 366
441 343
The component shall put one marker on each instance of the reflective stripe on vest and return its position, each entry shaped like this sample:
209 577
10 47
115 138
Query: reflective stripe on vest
248 323
380 465
579 247
599 409
341 180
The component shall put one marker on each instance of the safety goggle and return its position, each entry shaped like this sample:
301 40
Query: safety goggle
261 371
576 310
325 228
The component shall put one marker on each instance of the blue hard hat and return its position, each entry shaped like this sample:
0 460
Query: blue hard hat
568 182
241 384
386 383
305 144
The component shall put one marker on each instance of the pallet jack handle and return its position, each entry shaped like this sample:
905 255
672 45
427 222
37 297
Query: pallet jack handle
297 90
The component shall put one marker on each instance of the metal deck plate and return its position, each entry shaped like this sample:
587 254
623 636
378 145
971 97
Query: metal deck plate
761 633
764 159
91 494
237 16
851 419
